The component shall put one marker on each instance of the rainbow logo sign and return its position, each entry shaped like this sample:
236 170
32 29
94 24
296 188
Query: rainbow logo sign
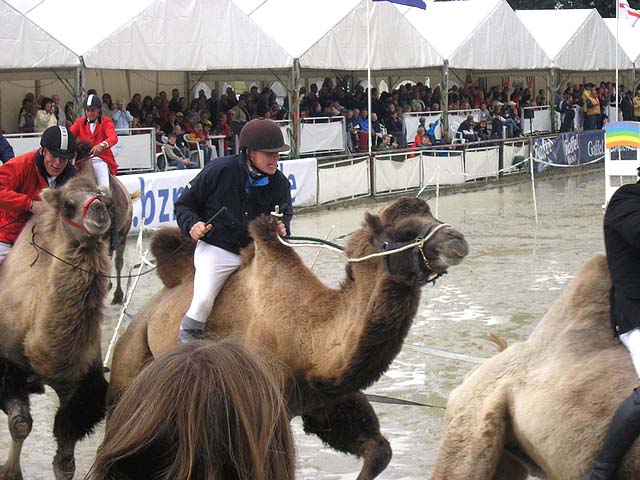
622 134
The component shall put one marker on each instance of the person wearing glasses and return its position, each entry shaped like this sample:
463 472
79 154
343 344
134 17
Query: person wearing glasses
23 178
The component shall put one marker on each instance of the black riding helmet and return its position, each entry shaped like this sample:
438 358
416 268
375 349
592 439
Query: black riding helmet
59 141
92 101
262 134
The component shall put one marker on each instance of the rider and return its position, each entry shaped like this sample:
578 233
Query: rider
248 185
23 177
622 242
99 132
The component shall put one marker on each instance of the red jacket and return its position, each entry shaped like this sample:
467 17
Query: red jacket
104 131
21 181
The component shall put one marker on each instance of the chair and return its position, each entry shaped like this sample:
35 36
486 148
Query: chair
195 150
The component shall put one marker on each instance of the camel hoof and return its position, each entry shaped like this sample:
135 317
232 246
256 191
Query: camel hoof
118 298
7 475
64 467
20 426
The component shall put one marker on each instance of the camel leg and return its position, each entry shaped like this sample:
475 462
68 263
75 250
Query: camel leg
350 425
20 424
473 441
510 468
118 296
82 406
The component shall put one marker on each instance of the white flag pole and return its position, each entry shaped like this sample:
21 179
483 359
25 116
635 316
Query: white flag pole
369 80
615 115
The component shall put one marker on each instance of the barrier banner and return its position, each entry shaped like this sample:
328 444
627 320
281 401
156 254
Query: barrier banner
303 179
316 137
481 163
591 144
548 150
343 181
444 168
134 152
397 172
24 144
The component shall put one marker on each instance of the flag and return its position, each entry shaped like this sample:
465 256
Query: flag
629 13
410 3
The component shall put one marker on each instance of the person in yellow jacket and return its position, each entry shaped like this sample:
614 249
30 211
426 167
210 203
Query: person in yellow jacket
591 107
636 106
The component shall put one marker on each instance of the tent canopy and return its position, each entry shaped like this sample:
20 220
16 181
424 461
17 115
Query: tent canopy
478 34
576 40
628 37
336 38
189 35
26 46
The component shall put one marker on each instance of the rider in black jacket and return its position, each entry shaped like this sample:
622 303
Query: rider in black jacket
622 241
248 185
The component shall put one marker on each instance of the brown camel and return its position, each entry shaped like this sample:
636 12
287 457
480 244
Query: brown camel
542 407
121 202
50 320
332 342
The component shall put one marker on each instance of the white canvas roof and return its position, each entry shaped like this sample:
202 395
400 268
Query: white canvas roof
478 34
628 37
576 40
189 35
81 29
332 34
24 45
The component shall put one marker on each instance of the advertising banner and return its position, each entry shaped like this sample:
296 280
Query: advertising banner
591 145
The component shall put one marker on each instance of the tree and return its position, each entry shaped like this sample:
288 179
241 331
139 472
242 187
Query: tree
607 8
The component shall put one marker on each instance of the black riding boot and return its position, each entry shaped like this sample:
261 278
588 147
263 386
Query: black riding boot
623 431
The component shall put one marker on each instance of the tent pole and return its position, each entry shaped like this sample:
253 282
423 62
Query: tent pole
444 90
551 86
294 107
369 81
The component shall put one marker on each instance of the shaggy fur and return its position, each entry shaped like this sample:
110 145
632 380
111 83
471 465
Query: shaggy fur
543 406
52 334
334 342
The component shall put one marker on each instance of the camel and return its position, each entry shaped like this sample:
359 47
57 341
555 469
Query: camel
121 201
50 320
332 343
542 407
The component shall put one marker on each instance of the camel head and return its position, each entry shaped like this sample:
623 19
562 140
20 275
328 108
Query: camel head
80 206
409 220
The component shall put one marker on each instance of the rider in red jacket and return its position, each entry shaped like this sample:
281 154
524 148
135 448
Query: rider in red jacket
99 132
23 178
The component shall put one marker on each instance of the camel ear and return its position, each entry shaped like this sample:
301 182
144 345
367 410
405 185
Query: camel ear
51 196
374 223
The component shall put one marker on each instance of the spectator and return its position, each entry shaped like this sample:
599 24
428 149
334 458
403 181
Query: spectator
148 109
198 136
180 141
386 143
626 106
188 123
45 117
376 130
591 107
541 99
636 105
203 103
466 129
417 105
352 127
121 118
174 103
134 107
395 128
240 110
6 150
27 122
69 114
484 112
223 128
58 111
174 155
107 105
567 114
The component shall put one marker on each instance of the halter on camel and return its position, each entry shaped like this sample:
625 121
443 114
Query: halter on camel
85 207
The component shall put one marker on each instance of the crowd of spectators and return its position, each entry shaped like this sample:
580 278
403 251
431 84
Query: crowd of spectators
489 113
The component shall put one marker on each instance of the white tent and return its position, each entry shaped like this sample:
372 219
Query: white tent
575 40
31 60
478 35
628 37
189 35
332 35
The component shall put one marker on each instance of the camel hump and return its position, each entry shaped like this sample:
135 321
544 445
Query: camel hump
174 255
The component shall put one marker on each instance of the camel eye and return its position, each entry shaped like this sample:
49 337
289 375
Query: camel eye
68 207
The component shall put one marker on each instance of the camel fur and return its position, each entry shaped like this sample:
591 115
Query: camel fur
333 342
542 407
120 200
50 319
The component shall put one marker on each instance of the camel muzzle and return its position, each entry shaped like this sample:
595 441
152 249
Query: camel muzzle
85 209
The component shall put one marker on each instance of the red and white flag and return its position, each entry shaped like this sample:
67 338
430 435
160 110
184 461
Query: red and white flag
628 13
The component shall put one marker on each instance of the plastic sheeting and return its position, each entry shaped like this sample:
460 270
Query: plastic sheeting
395 173
336 37
478 34
442 167
481 163
322 137
192 35
344 180
24 45
576 40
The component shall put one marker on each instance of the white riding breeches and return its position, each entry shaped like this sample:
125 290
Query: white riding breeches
4 249
631 340
213 266
101 170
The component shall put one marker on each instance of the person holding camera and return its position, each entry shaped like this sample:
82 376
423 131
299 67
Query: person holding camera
121 117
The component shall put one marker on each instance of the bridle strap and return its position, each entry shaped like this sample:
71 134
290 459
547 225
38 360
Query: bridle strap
85 207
